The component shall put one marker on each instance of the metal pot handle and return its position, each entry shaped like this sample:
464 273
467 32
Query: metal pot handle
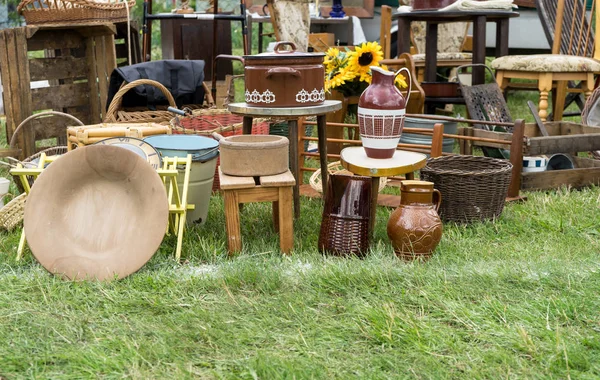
283 43
282 71
197 156
408 81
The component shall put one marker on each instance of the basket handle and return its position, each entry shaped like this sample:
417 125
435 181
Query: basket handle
113 108
13 139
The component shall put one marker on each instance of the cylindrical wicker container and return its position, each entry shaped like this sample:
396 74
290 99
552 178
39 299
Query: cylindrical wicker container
346 216
473 188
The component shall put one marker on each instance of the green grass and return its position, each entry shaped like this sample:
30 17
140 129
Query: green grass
514 298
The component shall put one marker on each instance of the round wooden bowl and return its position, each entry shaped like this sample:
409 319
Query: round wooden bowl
98 212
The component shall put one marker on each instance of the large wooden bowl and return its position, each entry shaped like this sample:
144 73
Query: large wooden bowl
98 212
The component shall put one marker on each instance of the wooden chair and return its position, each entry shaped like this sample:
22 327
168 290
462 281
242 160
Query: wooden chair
574 55
291 21
452 41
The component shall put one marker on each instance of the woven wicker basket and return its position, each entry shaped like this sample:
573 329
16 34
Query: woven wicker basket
12 212
337 168
117 115
473 188
39 12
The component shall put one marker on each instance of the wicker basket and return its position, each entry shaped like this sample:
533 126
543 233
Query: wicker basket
91 134
473 188
116 115
39 12
337 168
12 212
346 216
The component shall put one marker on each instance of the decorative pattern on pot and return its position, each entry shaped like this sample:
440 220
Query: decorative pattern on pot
284 78
256 97
314 96
381 111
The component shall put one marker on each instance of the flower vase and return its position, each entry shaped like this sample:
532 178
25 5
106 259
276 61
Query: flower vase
381 111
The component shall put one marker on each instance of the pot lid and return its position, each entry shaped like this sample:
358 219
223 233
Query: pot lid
279 53
188 143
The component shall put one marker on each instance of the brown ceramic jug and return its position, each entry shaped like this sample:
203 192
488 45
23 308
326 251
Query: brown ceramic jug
415 227
381 110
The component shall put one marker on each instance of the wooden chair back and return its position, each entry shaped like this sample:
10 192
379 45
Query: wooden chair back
573 22
291 21
385 31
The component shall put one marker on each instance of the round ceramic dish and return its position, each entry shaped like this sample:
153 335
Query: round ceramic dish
254 155
99 212
534 164
137 146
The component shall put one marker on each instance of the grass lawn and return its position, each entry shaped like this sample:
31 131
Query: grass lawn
516 298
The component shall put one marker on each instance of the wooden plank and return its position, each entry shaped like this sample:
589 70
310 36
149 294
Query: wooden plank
20 87
582 162
54 39
57 68
50 127
5 69
283 179
92 76
555 178
562 144
62 96
227 182
258 194
516 159
4 152
109 61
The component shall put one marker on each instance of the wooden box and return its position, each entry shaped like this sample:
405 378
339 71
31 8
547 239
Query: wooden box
564 137
90 134
67 66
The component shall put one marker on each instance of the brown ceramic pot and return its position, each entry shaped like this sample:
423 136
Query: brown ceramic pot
381 110
415 227
284 78
431 4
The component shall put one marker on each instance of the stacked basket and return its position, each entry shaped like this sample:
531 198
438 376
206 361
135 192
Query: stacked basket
40 12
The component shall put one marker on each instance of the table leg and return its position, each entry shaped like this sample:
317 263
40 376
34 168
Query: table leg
249 34
322 143
374 195
260 39
502 37
403 36
293 128
431 42
247 125
479 49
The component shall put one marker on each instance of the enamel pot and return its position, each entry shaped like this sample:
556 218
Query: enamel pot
284 78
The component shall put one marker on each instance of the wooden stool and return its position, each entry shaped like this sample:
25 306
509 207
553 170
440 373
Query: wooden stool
276 189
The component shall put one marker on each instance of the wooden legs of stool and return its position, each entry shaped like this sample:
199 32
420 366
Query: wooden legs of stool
282 213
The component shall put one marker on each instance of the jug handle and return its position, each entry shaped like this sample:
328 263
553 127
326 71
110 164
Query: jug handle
437 199
408 81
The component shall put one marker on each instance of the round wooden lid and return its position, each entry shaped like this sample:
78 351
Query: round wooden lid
98 212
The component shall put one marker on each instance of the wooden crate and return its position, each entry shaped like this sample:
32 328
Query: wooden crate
564 137
73 65
90 134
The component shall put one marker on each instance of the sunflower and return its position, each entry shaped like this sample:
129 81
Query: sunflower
365 55
338 79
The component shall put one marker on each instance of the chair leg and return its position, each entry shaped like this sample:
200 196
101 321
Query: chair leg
232 221
544 86
286 221
559 100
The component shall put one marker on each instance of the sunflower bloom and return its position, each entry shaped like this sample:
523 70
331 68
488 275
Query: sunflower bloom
365 55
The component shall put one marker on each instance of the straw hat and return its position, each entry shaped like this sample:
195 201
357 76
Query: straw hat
97 212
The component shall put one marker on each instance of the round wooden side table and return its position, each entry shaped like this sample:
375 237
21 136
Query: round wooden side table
292 114
355 160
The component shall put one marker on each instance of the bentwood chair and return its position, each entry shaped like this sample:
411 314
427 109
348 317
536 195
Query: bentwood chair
574 55
291 21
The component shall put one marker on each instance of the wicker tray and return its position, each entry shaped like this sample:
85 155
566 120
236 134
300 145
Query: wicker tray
90 134
473 188
12 212
40 12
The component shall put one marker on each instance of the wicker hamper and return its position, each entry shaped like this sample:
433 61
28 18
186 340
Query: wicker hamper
473 188
40 12
90 134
